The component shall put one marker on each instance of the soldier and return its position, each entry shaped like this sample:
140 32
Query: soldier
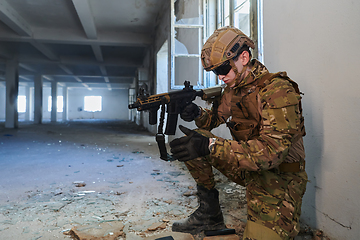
263 113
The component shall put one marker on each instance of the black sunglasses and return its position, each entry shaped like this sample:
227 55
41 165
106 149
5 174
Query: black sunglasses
223 69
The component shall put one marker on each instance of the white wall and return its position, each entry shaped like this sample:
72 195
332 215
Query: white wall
318 44
114 104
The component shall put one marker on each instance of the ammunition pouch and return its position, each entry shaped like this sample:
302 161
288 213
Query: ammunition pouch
292 167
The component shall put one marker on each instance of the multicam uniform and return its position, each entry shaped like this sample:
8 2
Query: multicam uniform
264 116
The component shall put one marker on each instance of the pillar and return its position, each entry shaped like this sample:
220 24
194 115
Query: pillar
53 101
38 99
27 95
12 88
65 104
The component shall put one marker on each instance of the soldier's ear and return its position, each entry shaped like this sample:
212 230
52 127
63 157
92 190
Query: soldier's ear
244 57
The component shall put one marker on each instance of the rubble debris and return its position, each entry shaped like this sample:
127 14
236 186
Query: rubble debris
108 230
189 193
57 192
176 173
79 183
239 227
119 193
157 226
137 152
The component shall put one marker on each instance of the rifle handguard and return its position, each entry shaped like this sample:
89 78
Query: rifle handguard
211 92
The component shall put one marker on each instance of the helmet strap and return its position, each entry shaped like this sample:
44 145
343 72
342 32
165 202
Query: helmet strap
237 73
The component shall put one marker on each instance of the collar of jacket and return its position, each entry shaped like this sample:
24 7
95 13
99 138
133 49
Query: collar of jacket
257 70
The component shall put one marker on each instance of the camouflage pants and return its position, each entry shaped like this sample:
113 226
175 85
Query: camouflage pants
273 199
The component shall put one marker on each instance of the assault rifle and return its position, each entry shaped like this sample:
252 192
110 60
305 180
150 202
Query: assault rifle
175 102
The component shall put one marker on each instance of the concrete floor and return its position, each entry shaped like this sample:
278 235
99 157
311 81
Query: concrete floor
40 166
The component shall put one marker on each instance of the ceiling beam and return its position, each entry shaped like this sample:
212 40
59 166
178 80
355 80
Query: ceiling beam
97 52
25 78
70 79
71 37
84 13
65 68
13 20
44 50
49 78
103 70
78 79
27 67
109 87
74 61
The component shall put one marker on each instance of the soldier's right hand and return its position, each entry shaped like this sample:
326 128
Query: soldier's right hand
190 112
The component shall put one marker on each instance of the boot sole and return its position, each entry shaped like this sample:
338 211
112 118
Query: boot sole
199 229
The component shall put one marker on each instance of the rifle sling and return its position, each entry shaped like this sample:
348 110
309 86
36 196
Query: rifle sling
160 137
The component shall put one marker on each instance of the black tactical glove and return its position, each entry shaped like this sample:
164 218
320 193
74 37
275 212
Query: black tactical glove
191 146
190 112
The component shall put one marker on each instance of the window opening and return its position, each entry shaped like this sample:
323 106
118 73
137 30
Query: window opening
59 104
242 16
21 104
92 103
187 39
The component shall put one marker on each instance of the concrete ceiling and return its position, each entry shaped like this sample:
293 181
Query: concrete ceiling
89 43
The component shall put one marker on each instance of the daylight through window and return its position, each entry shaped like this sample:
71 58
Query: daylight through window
92 103
21 104
59 104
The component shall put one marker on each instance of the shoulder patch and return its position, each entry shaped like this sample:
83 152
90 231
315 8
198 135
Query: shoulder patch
279 93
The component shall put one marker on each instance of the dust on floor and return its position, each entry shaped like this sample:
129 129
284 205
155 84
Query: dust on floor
56 176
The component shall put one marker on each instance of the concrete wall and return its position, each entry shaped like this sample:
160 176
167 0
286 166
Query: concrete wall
318 44
114 104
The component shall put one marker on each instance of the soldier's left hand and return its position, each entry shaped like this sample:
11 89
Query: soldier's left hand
190 112
189 147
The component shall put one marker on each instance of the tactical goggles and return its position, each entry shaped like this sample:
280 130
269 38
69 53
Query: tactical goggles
223 69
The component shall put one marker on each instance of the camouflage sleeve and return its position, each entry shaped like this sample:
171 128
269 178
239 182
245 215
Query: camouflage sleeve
280 122
208 120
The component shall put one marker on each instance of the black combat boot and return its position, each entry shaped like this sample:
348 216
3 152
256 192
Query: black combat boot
208 216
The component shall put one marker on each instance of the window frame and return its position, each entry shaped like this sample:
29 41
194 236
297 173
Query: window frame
213 13
174 55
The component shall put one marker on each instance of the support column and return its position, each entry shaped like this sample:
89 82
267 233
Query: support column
12 89
38 99
27 95
65 104
53 101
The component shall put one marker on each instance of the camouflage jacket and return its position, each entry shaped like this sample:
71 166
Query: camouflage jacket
264 116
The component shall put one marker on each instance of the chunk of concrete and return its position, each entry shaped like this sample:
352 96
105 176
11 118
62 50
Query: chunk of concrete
99 231
156 226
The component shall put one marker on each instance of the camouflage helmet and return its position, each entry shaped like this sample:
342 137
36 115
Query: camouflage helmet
223 45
